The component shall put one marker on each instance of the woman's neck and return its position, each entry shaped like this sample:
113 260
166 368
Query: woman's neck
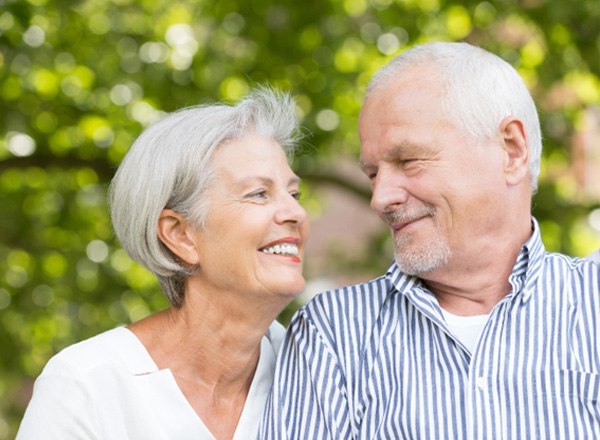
212 349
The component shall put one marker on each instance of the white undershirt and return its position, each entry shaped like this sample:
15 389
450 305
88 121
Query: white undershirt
467 329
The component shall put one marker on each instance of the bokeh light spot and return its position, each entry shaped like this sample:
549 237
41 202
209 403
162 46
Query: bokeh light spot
594 219
20 144
34 36
327 120
154 52
388 43
97 251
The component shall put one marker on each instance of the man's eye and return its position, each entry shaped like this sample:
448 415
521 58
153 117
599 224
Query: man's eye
370 173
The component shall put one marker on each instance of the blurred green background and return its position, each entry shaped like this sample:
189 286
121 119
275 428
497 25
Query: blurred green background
79 80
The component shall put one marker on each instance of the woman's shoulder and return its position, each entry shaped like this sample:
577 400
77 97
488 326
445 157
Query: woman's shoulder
115 346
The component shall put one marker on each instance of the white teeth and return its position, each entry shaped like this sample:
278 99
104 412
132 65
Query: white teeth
282 249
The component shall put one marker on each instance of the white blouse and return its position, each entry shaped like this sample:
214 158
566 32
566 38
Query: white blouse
108 387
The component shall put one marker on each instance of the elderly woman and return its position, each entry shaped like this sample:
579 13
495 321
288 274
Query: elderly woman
206 200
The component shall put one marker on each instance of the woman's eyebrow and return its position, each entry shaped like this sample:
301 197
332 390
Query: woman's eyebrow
266 180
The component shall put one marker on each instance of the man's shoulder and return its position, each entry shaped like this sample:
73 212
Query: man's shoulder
343 318
373 291
354 307
594 256
568 263
581 275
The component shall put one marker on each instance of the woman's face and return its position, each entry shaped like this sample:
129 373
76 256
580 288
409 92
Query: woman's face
255 229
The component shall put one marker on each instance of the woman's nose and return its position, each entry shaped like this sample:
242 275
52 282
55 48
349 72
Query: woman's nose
291 211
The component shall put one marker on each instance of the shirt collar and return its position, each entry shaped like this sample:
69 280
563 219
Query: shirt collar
523 278
527 268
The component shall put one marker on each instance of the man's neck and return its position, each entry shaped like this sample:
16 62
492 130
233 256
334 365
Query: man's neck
473 284
468 303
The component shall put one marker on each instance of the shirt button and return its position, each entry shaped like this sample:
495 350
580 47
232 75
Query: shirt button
480 382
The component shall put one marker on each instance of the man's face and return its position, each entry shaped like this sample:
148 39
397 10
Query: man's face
434 186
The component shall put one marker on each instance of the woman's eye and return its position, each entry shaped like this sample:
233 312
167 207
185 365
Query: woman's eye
296 195
260 194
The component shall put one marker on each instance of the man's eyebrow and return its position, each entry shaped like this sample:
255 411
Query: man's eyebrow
408 149
403 149
296 180
364 165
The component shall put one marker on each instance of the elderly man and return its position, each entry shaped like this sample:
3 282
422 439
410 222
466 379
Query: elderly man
475 331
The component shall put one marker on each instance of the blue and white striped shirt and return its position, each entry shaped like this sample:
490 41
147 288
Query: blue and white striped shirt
378 361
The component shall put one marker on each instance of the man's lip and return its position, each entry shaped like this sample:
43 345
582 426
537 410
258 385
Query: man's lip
401 225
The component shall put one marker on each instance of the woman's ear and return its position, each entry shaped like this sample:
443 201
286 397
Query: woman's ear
176 233
516 151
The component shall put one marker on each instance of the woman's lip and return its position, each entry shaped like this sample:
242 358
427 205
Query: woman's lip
286 240
293 254
293 258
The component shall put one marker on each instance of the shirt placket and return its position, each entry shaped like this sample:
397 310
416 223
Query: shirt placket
482 408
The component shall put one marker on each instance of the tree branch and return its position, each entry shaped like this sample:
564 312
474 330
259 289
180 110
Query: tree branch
319 177
106 171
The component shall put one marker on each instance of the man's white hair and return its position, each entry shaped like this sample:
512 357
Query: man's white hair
481 89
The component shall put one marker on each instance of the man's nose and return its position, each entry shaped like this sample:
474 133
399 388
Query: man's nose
389 190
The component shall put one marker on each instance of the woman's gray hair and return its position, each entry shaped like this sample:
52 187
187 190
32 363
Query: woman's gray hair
481 90
168 167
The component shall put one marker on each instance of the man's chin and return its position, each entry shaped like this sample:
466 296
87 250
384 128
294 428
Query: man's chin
423 261
416 270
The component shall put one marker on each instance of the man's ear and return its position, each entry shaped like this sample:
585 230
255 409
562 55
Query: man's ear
175 232
516 152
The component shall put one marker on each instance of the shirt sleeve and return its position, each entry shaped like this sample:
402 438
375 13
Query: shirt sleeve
60 408
308 399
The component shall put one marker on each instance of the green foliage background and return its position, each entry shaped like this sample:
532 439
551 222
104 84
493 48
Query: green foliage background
80 79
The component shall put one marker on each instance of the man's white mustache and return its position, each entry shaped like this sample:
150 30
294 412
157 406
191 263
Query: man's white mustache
408 214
